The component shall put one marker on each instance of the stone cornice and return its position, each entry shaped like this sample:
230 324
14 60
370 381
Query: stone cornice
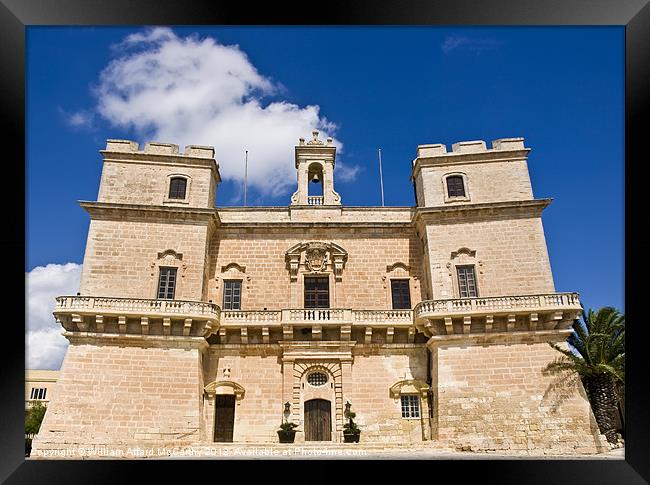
453 158
498 338
113 210
444 214
157 341
316 350
450 213
296 216
314 225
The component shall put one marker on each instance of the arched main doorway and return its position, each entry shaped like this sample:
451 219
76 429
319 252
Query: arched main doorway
318 420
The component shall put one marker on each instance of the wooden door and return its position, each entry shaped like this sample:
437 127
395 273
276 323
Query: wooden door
318 420
224 418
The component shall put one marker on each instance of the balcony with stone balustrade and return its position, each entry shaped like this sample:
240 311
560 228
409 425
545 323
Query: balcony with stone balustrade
555 311
114 315
108 315
367 326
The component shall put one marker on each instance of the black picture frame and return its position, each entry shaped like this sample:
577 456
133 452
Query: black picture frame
634 15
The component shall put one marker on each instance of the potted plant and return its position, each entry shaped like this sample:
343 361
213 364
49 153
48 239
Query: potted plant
351 431
287 432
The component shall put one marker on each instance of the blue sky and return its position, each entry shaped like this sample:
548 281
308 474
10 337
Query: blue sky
374 87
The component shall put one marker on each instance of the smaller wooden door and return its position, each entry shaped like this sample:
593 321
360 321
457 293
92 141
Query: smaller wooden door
224 418
318 420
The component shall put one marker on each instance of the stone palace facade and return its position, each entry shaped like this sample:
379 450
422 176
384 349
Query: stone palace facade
197 324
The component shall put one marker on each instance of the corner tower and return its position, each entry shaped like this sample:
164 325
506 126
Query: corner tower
315 166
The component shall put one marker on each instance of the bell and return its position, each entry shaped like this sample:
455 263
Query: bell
315 178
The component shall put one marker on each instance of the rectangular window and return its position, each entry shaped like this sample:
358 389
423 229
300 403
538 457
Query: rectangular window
467 281
317 292
455 187
232 295
401 294
410 406
38 393
167 283
177 187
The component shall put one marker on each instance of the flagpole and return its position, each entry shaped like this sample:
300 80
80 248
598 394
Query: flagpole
245 177
381 180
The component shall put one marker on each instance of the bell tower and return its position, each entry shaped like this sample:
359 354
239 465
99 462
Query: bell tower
315 166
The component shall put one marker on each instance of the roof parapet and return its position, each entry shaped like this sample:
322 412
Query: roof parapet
159 148
473 146
508 144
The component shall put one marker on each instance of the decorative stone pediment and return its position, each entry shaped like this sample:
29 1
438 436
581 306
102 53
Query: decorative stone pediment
394 266
225 387
463 251
167 258
464 256
235 266
316 257
235 271
408 386
170 255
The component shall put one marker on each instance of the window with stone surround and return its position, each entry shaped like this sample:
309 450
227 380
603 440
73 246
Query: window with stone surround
467 281
317 379
232 295
410 406
317 292
177 188
455 187
166 283
401 294
38 393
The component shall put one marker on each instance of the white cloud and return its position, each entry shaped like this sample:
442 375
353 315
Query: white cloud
192 90
346 173
78 119
45 349
45 346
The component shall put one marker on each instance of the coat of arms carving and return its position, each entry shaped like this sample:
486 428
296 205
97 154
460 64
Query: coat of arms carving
316 257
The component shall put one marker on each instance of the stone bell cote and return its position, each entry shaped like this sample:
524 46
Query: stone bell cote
315 166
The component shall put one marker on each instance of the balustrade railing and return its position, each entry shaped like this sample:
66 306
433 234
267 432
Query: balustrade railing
315 200
387 316
251 316
498 304
108 305
315 315
136 305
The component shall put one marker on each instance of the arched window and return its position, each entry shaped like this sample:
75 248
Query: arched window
177 188
455 186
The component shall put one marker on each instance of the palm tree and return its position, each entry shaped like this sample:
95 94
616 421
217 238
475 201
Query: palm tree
597 354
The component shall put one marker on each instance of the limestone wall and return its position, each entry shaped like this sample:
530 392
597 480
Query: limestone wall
495 397
259 414
123 258
114 395
484 182
378 414
510 256
365 281
129 183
